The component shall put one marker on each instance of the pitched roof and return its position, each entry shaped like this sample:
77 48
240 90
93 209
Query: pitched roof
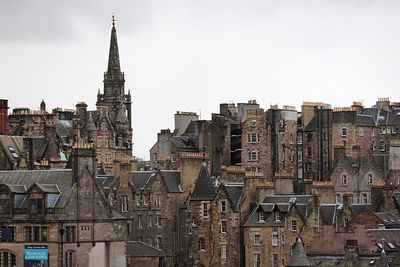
46 179
234 192
139 249
204 186
299 257
144 179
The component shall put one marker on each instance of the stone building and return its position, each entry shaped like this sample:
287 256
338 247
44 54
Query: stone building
271 231
284 140
63 212
155 211
213 222
316 140
256 143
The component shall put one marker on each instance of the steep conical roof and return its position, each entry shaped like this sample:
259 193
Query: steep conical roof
204 186
299 257
90 126
113 57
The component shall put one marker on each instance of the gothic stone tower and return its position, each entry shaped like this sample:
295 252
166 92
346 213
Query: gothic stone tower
114 118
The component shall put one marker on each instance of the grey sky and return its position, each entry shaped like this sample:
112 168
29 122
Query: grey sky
193 55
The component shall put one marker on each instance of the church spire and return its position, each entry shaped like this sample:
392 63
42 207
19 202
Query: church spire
113 58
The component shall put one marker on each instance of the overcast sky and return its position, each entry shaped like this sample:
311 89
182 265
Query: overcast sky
193 55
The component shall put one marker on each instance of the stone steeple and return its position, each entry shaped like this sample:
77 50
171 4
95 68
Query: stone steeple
114 79
113 58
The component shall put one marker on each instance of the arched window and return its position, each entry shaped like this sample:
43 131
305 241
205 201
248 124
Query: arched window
7 259
370 178
70 258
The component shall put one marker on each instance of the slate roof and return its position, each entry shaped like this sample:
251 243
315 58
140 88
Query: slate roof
234 192
90 126
328 213
183 143
16 142
299 257
283 204
144 179
204 186
47 179
365 120
139 249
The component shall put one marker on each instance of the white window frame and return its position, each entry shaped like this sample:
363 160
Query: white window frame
256 260
275 239
293 225
256 239
222 205
223 252
224 226
205 210
344 179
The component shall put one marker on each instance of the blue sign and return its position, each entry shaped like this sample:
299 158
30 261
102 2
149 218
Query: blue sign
36 256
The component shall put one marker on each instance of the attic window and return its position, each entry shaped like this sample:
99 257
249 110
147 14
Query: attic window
253 123
52 200
261 216
370 178
344 179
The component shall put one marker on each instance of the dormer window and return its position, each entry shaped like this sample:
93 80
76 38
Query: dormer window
277 216
370 178
261 216
344 179
5 205
37 206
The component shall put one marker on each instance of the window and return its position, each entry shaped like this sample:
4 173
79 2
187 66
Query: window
275 239
37 206
277 216
253 138
344 179
338 199
7 234
7 259
309 137
364 198
150 221
5 206
70 258
253 169
222 205
261 216
205 210
309 151
257 239
361 132
139 220
344 131
223 227
257 260
253 123
173 157
382 147
138 200
315 222
154 157
158 220
275 260
299 139
253 155
145 200
36 233
124 203
293 226
157 200
300 173
370 178
202 244
70 233
223 251
159 242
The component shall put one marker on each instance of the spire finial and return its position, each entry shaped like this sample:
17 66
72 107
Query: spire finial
113 19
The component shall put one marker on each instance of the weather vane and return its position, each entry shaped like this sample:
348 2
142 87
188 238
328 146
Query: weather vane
113 19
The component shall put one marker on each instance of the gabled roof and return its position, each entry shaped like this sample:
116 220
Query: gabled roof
144 179
234 192
299 257
136 249
48 180
204 186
